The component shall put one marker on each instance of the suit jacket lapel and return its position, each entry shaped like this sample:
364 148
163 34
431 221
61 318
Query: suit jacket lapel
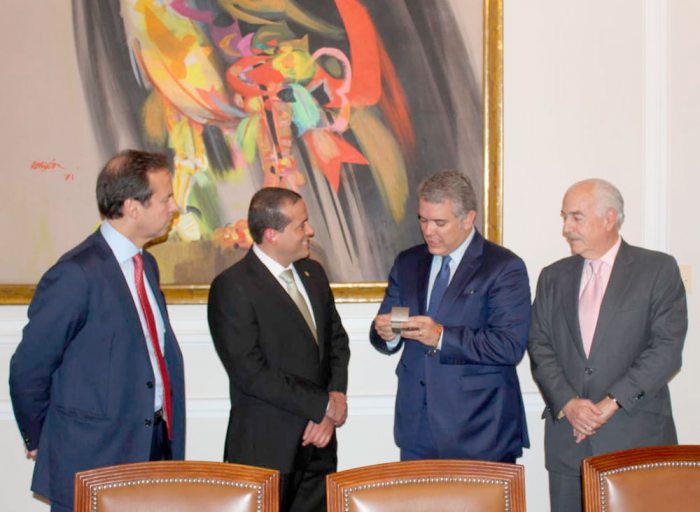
114 277
422 281
151 276
315 298
615 292
470 264
571 286
153 283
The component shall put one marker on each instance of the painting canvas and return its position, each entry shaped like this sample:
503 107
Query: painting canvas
349 102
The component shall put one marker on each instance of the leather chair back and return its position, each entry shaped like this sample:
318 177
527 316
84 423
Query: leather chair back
177 486
653 479
428 485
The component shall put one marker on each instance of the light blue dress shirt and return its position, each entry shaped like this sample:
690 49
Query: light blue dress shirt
435 265
124 250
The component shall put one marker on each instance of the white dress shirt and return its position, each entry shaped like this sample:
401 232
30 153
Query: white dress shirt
276 269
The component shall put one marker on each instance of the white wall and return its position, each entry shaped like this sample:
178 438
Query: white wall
594 88
683 185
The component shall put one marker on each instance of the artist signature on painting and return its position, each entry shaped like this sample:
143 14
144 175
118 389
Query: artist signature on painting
52 165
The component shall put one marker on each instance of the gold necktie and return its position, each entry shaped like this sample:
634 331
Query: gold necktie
298 299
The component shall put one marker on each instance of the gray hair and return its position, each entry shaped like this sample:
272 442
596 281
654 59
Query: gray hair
449 185
607 196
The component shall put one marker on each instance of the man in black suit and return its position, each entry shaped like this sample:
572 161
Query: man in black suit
276 329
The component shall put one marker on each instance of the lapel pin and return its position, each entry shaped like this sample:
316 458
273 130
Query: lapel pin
306 273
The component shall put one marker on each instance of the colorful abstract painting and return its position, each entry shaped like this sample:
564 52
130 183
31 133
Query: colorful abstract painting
349 102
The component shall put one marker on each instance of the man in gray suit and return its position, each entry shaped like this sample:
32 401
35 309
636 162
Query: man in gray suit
607 334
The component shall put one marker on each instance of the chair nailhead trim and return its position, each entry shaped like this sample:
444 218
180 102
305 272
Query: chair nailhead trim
634 467
147 481
429 480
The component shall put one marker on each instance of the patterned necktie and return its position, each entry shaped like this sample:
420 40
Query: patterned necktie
151 323
298 299
439 286
589 305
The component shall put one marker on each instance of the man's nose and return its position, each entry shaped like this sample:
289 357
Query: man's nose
566 227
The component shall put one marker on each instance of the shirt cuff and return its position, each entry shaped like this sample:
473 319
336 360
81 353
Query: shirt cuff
439 343
392 344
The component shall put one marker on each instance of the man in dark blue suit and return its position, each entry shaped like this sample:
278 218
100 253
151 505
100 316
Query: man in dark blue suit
469 305
98 376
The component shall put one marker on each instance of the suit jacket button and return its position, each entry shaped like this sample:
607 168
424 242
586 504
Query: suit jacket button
149 384
588 371
640 396
148 423
422 383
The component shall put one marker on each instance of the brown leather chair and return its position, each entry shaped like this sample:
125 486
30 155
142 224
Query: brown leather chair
428 485
177 486
653 479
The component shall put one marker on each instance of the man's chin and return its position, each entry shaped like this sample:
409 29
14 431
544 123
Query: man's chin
574 250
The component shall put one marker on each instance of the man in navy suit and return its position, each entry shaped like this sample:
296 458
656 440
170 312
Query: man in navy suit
469 305
89 385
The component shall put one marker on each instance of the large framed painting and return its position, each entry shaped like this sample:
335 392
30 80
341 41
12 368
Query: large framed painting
349 102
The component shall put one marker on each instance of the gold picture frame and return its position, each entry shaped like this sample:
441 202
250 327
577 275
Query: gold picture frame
358 292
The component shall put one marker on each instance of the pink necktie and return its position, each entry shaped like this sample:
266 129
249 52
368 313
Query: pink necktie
589 304
151 322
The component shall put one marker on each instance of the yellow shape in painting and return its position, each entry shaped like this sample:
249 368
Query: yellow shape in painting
174 49
294 64
187 227
153 114
176 56
385 160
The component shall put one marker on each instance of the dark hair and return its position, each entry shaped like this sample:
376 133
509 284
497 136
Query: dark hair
125 176
264 210
449 185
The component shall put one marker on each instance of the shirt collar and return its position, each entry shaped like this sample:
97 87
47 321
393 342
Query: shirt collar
609 257
272 265
458 253
123 248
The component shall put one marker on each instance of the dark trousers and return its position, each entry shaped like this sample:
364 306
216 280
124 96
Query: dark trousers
304 489
160 444
564 492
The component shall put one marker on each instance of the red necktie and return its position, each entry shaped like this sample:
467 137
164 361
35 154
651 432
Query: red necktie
151 323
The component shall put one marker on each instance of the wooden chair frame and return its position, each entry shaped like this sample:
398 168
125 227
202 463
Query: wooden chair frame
88 484
594 470
339 486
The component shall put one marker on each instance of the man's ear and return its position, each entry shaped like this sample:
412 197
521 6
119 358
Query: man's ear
270 236
131 208
610 218
469 219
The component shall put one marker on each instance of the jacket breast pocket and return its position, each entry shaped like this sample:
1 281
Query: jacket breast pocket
80 414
